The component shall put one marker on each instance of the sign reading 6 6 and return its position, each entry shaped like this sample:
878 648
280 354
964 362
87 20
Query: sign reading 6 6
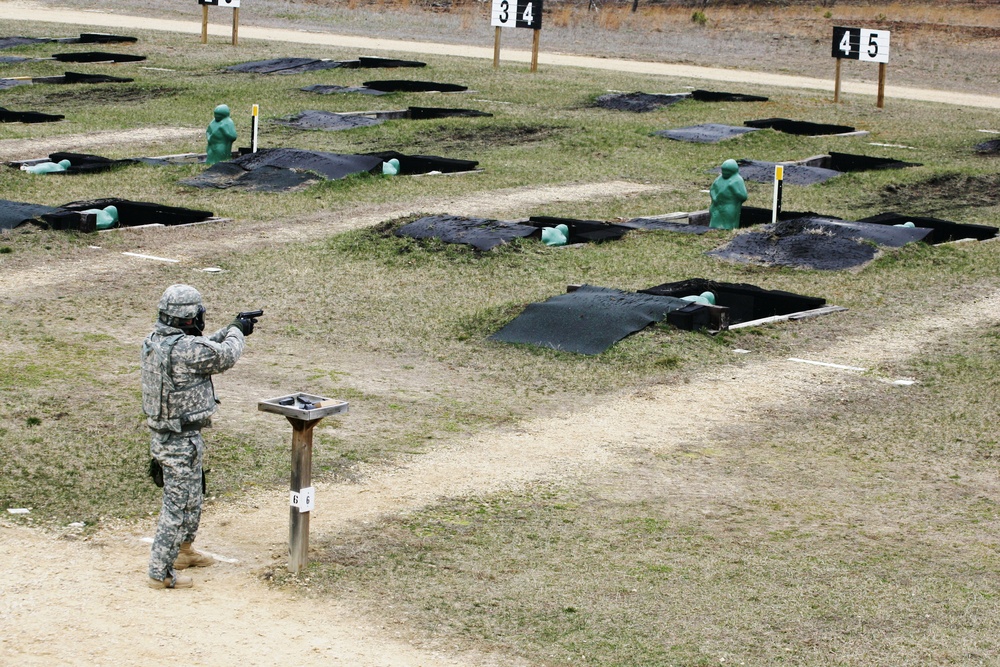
517 14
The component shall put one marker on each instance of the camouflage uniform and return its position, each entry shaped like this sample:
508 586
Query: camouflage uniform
179 399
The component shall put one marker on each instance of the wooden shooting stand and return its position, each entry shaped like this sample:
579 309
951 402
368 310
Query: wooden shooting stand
304 412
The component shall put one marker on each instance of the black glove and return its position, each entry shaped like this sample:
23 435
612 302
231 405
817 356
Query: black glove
245 324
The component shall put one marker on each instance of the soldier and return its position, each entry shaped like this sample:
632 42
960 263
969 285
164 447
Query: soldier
178 399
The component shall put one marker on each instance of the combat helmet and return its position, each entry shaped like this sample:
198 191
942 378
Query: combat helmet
181 307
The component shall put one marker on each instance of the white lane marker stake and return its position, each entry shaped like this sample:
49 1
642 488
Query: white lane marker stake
828 365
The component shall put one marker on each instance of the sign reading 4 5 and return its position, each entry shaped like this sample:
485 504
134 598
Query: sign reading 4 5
861 44
517 14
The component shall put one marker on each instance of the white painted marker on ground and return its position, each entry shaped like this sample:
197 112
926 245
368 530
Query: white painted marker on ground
828 365
158 259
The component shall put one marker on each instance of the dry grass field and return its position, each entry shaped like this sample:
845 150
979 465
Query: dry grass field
680 500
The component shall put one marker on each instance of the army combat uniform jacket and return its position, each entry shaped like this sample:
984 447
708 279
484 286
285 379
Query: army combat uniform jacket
177 369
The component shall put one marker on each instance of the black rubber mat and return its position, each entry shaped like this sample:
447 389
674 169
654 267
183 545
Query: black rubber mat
425 113
325 89
406 86
312 119
373 62
706 133
330 165
97 57
745 302
273 65
655 224
582 231
799 127
751 216
134 213
638 102
84 163
794 174
9 116
15 213
104 38
77 77
299 65
713 96
991 147
480 233
12 42
279 169
425 164
941 230
848 162
587 321
816 243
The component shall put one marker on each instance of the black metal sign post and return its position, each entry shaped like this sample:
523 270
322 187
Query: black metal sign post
519 14
304 412
865 45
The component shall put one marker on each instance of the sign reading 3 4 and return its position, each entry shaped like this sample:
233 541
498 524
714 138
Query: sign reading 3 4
517 14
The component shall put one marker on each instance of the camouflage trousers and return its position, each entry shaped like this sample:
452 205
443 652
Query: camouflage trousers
180 456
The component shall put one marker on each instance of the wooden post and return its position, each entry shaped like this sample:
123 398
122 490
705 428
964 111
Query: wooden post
236 25
298 524
496 48
880 103
534 51
204 24
836 84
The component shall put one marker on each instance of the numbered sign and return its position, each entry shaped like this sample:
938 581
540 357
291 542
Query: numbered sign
517 14
502 15
303 500
232 4
529 14
861 44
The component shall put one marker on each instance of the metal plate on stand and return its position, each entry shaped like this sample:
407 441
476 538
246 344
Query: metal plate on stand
301 405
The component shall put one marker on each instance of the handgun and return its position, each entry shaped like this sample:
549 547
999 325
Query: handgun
249 314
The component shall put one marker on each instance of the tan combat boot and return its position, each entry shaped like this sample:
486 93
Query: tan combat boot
188 557
173 580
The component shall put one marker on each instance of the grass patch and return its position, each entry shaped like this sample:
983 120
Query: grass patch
868 517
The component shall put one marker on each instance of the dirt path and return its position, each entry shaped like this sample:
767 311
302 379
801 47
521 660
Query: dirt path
194 245
33 11
68 601
22 149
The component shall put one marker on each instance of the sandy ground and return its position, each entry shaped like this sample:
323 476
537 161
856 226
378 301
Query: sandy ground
72 600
